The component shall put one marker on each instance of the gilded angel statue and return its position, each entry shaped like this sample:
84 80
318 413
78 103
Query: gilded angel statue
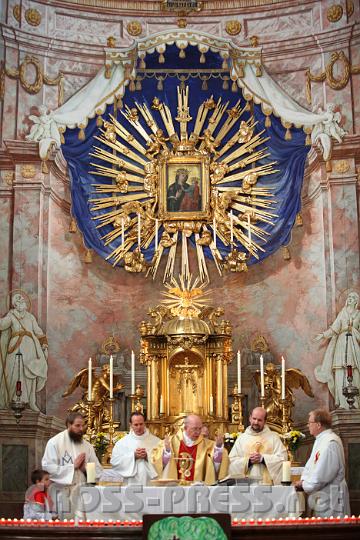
294 378
99 413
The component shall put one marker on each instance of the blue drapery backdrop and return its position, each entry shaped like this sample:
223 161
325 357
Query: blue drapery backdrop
290 155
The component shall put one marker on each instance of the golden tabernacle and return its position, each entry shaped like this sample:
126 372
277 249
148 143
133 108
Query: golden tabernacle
186 349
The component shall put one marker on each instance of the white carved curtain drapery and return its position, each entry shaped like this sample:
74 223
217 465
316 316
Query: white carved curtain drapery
246 69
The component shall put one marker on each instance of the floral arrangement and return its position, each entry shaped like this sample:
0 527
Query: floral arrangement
100 444
293 439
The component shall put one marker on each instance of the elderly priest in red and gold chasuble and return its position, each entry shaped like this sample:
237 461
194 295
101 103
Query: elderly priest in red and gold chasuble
187 455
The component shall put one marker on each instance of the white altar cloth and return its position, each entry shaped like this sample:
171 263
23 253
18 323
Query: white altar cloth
241 501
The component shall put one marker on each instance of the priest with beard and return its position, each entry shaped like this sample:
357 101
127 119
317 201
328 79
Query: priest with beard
65 458
130 457
258 453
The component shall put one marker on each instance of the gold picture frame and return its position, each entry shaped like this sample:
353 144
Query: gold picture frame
184 188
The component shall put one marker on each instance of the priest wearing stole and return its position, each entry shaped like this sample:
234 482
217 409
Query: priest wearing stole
205 460
258 453
65 458
130 456
323 477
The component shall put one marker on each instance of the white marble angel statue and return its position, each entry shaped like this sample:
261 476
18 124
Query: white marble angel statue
44 131
20 332
333 369
328 129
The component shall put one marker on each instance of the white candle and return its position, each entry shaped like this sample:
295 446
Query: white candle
286 471
214 227
262 381
90 380
156 233
111 377
211 404
122 232
282 377
139 231
132 373
90 473
161 405
239 371
231 228
249 229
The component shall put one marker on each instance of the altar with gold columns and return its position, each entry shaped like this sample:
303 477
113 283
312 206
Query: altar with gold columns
186 349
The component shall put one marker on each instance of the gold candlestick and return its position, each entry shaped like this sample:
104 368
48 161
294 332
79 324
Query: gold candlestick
236 409
286 425
136 405
107 455
262 402
90 403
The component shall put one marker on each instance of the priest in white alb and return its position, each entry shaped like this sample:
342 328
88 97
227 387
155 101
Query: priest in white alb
130 456
323 477
66 457
258 453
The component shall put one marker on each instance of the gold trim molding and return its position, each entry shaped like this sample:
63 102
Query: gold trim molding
146 6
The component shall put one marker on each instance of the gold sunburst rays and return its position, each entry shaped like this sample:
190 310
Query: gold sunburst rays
185 297
202 113
243 148
135 164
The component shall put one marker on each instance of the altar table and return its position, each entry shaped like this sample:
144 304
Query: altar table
241 501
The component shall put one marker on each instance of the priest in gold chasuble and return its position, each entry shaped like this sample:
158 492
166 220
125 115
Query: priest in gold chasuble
258 453
189 456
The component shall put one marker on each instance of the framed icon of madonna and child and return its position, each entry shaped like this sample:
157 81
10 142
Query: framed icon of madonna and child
184 188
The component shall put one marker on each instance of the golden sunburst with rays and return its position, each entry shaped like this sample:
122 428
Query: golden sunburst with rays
186 298
224 147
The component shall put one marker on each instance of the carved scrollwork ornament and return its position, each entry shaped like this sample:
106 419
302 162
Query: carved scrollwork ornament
134 28
35 87
349 8
17 12
336 83
33 17
233 27
334 13
342 166
28 171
